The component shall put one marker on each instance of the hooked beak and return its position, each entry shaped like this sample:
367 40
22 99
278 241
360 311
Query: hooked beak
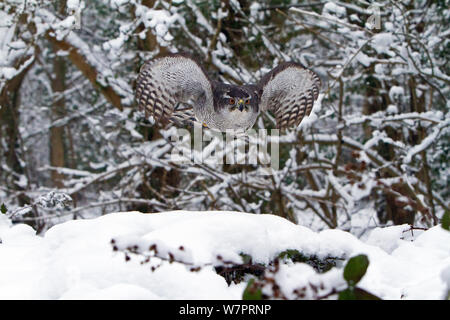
241 105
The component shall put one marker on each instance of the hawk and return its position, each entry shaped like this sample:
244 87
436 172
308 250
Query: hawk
176 88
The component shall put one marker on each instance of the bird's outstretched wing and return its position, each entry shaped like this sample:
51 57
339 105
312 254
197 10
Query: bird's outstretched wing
183 116
289 92
166 82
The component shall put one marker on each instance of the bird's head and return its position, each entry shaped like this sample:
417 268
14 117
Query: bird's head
237 99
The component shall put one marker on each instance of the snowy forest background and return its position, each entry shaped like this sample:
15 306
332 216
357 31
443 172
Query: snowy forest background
377 153
374 152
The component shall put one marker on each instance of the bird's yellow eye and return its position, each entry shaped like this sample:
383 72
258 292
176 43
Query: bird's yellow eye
247 101
232 101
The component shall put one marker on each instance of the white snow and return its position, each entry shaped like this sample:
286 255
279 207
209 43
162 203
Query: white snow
332 8
73 4
387 238
395 92
294 276
382 42
364 59
75 260
159 20
431 138
391 109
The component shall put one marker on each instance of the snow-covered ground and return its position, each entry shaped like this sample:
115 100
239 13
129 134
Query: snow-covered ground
75 260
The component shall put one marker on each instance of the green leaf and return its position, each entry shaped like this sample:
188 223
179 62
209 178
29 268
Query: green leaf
445 221
246 258
355 269
3 208
294 255
347 294
356 294
252 291
362 294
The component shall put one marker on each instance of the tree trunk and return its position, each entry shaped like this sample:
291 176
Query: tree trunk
57 147
58 111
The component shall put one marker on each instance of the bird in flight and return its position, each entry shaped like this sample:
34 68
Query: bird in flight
175 88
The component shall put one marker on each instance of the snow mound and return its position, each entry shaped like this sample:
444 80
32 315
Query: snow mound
75 260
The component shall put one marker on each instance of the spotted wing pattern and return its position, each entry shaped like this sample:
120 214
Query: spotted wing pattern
183 115
165 83
289 92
